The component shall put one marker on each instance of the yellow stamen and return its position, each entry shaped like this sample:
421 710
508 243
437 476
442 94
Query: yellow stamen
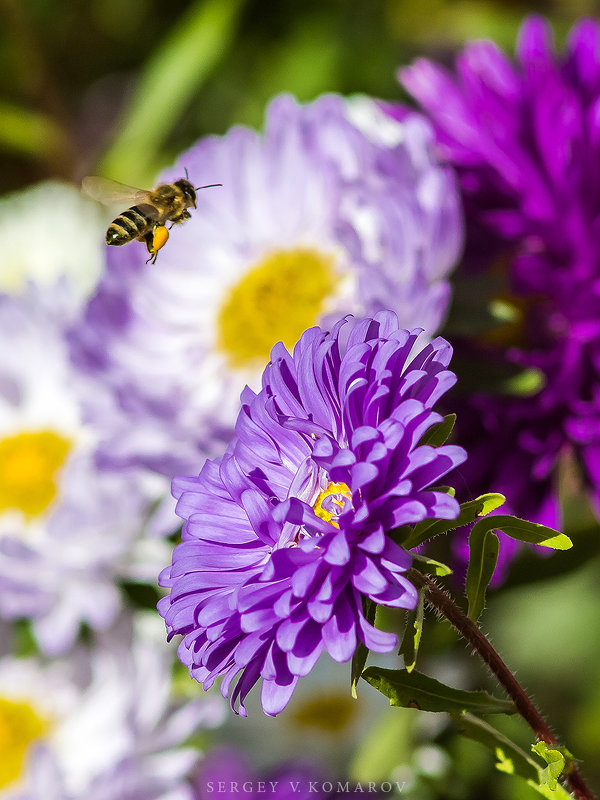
20 726
276 300
339 494
29 463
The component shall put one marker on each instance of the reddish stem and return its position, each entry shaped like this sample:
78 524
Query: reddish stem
440 601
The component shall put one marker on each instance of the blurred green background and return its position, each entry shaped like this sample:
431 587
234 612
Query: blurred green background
119 88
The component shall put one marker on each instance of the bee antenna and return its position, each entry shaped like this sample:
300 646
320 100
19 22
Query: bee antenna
186 174
208 186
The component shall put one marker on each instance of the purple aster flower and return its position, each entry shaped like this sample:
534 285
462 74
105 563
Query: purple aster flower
285 533
524 139
227 772
335 209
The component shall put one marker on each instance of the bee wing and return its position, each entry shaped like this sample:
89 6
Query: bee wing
112 192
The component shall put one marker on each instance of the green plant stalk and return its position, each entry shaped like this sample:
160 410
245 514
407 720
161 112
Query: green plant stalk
40 126
444 604
29 132
166 86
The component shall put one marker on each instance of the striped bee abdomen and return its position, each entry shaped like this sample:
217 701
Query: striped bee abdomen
129 225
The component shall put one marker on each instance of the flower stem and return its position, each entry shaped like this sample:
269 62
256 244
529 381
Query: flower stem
443 603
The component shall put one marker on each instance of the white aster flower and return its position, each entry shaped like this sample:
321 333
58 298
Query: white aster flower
50 234
102 726
67 530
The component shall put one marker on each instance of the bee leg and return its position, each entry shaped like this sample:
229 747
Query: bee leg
180 218
148 239
155 240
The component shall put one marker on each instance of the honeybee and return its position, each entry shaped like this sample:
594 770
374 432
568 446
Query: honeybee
148 212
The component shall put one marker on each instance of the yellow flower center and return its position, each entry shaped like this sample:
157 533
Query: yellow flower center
276 300
20 726
29 463
328 713
332 501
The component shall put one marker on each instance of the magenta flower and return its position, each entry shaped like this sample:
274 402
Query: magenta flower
525 140
286 532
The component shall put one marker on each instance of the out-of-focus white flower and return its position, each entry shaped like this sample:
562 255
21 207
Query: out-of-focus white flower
50 234
67 530
102 726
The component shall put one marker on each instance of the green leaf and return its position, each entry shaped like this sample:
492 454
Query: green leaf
438 434
482 505
550 794
555 761
469 511
483 556
359 659
24 642
504 311
29 132
525 384
511 758
530 568
445 489
431 565
171 78
412 633
141 595
415 690
498 379
525 531
377 757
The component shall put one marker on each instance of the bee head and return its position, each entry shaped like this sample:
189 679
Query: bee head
188 191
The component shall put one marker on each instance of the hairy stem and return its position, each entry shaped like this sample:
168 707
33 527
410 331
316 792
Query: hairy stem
444 604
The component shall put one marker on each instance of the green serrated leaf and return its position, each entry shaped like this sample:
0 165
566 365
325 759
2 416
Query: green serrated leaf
469 512
483 557
415 690
359 659
525 531
555 761
438 434
412 633
504 763
511 758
